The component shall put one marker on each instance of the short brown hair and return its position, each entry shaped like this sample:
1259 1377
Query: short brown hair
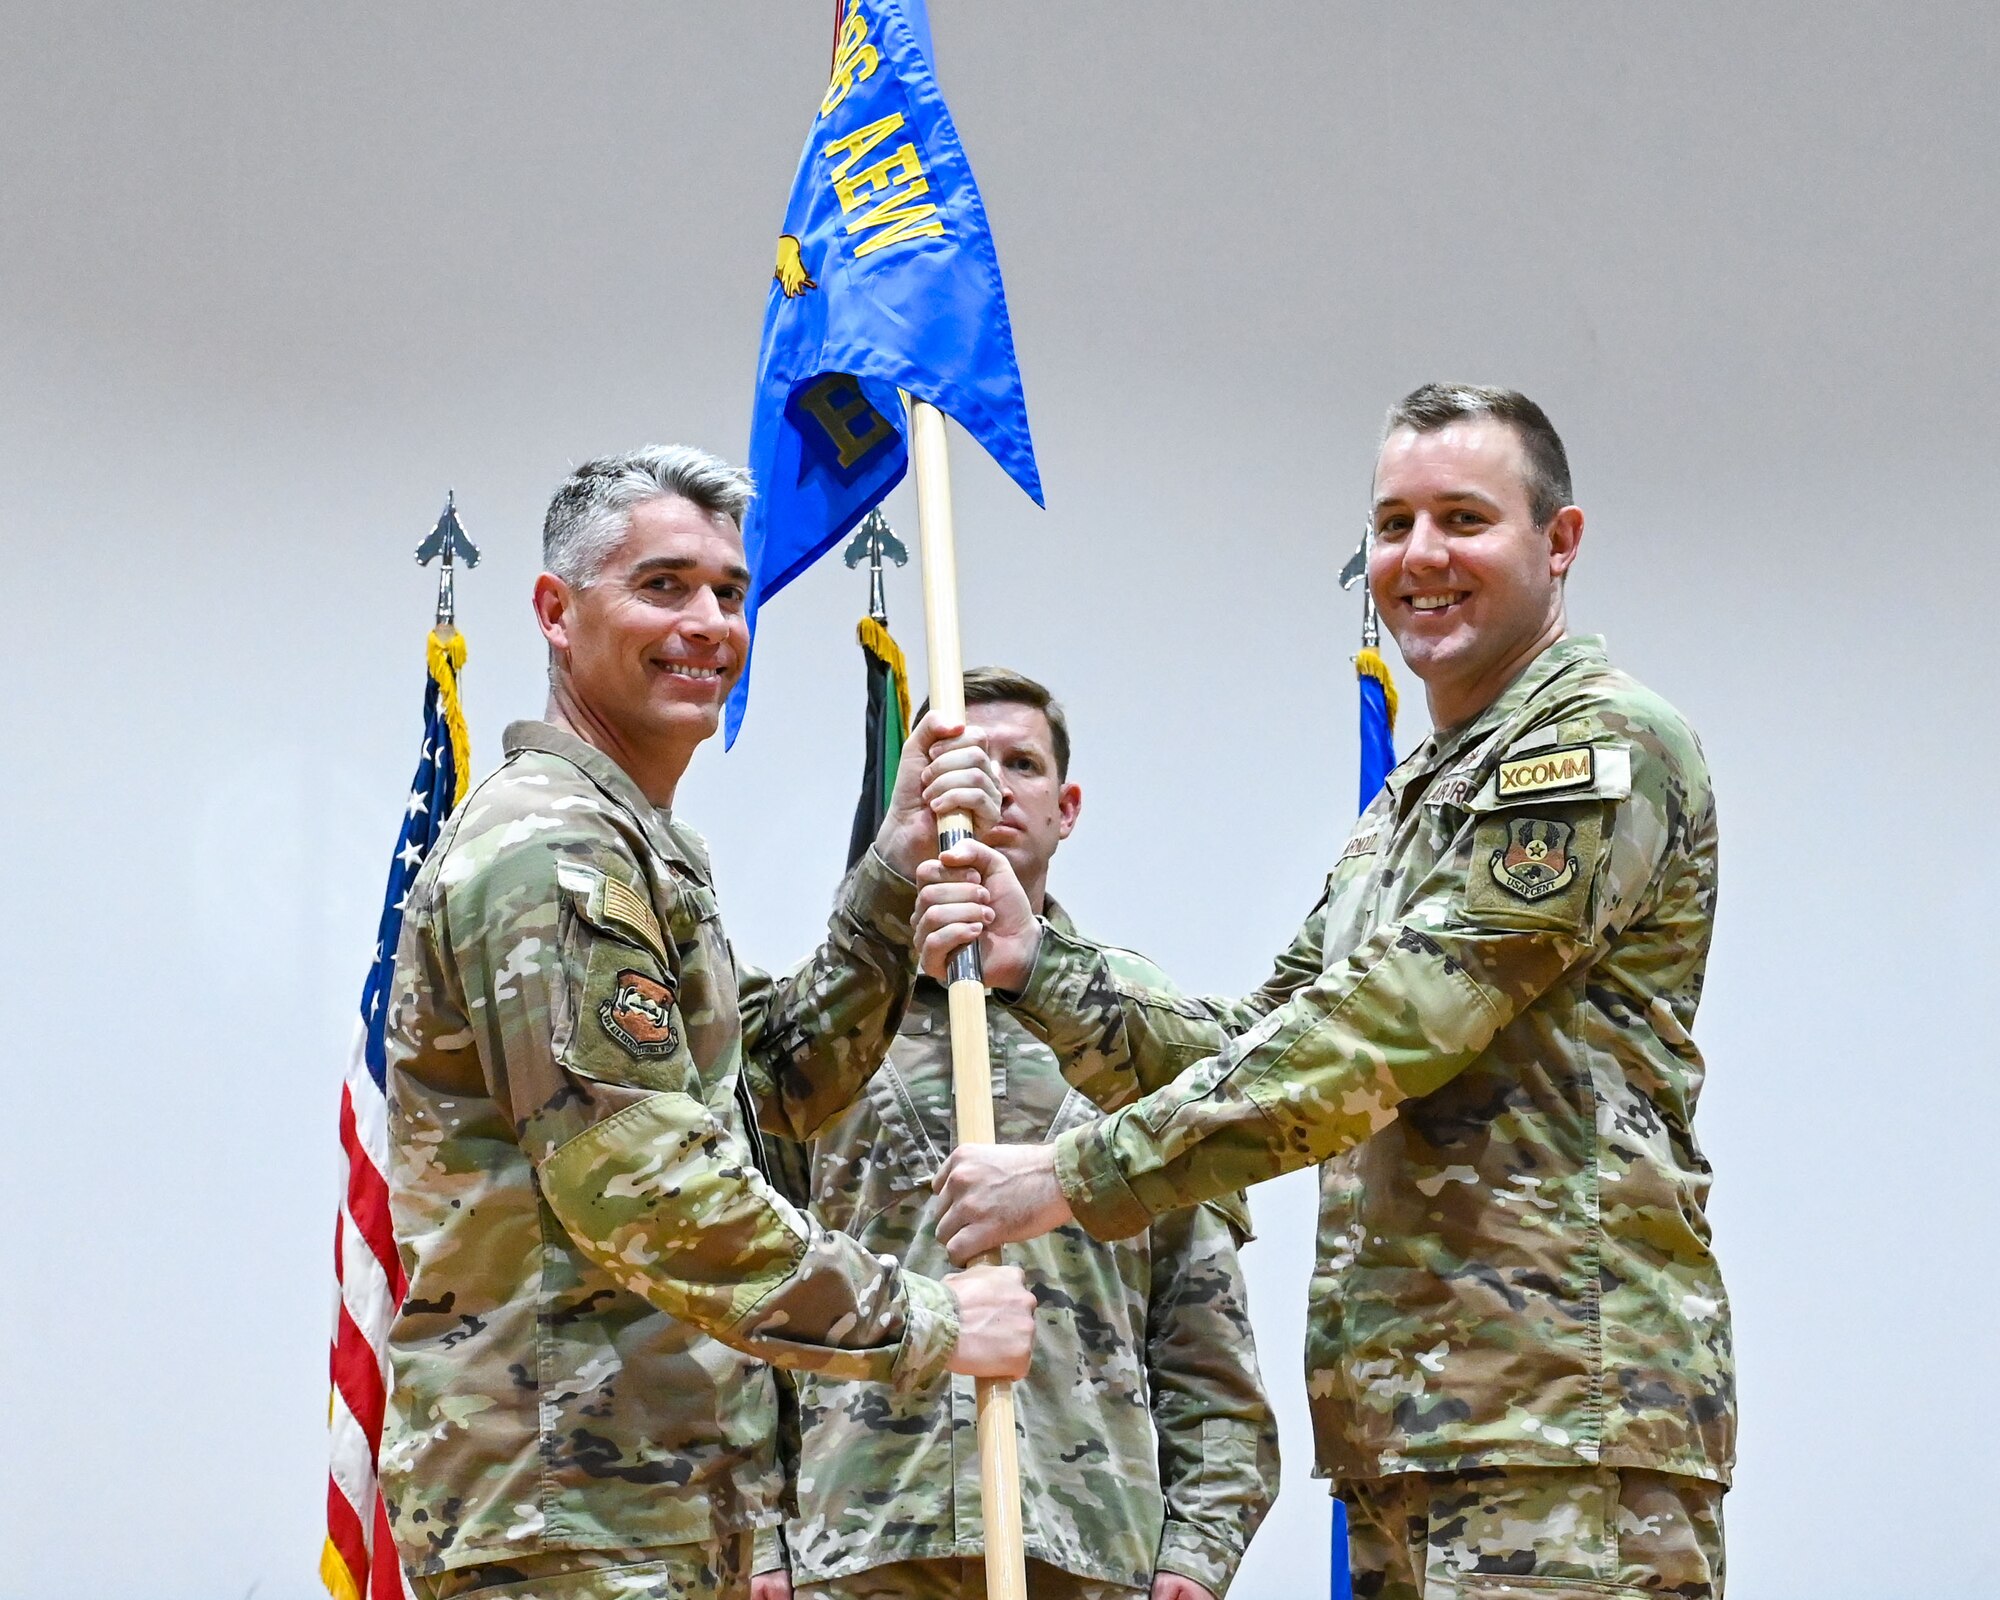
1437 405
987 686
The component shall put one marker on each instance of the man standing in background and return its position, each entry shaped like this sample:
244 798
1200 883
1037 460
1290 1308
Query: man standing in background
1519 1352
598 1270
1148 1451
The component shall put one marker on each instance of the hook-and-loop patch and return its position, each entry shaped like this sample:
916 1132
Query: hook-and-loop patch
1545 772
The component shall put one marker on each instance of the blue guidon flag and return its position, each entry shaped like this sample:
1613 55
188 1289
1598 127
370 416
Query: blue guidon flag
886 279
1378 722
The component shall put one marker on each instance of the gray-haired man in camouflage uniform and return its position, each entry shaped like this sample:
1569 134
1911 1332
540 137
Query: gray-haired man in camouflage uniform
1519 1353
1148 1451
598 1271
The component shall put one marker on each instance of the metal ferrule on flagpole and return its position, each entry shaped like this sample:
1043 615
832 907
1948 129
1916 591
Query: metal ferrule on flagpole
1371 620
971 1072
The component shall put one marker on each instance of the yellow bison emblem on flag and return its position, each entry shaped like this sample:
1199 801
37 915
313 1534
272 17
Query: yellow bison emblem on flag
791 274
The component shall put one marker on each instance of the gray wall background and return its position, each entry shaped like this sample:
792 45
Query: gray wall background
271 278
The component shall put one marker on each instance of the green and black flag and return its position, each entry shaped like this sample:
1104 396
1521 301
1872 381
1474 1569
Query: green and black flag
888 727
888 684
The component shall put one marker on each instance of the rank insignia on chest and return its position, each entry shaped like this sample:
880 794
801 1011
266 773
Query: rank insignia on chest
640 1015
1536 861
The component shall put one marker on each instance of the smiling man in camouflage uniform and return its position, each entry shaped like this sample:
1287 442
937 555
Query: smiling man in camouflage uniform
598 1270
1148 1451
1519 1352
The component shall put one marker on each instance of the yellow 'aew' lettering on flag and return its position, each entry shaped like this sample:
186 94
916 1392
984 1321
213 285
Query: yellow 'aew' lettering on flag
1558 769
892 214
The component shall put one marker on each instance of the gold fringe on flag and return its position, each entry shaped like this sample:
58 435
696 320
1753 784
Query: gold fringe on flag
332 1564
334 1574
876 638
1369 664
447 659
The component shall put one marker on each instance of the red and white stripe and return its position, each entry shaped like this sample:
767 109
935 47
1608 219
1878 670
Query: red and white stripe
359 1560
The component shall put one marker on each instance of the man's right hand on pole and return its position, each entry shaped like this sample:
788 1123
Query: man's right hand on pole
944 768
968 893
996 1322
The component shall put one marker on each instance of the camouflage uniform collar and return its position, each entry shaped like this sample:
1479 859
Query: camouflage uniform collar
1444 745
676 841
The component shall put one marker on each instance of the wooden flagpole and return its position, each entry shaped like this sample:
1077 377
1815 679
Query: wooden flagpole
971 1073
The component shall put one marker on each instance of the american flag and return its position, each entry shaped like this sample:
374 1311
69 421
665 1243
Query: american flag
358 1560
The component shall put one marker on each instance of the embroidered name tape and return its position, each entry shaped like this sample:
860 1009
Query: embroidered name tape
1572 768
1454 789
1362 843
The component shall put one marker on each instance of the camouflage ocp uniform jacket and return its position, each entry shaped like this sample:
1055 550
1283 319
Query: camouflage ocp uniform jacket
597 1268
1482 1030
1146 1440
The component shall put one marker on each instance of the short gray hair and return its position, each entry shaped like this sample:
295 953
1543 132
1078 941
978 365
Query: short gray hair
592 511
1438 405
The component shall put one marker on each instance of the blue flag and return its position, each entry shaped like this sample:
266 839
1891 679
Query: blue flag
1378 723
886 280
1378 760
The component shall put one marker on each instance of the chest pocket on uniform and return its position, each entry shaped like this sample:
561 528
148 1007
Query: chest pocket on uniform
1349 899
707 995
1074 1112
872 1157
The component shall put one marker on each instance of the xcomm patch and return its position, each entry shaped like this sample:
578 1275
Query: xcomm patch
1545 772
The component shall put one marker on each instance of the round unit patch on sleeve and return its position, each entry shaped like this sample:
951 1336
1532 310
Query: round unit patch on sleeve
1535 862
640 1015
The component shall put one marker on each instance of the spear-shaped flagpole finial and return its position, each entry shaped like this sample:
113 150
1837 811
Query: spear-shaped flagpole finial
874 540
446 545
1356 571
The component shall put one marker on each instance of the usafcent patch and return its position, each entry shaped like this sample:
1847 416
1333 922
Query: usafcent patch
1571 768
640 1015
1537 860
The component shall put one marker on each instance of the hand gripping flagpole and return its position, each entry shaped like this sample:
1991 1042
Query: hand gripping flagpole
971 1073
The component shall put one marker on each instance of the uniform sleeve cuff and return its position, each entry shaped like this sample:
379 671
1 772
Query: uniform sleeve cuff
1185 1549
768 1553
1053 1001
930 1332
879 900
1099 1197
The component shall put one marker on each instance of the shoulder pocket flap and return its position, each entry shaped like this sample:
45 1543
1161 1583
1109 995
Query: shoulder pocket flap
611 905
1569 772
691 905
1157 1000
1234 1210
